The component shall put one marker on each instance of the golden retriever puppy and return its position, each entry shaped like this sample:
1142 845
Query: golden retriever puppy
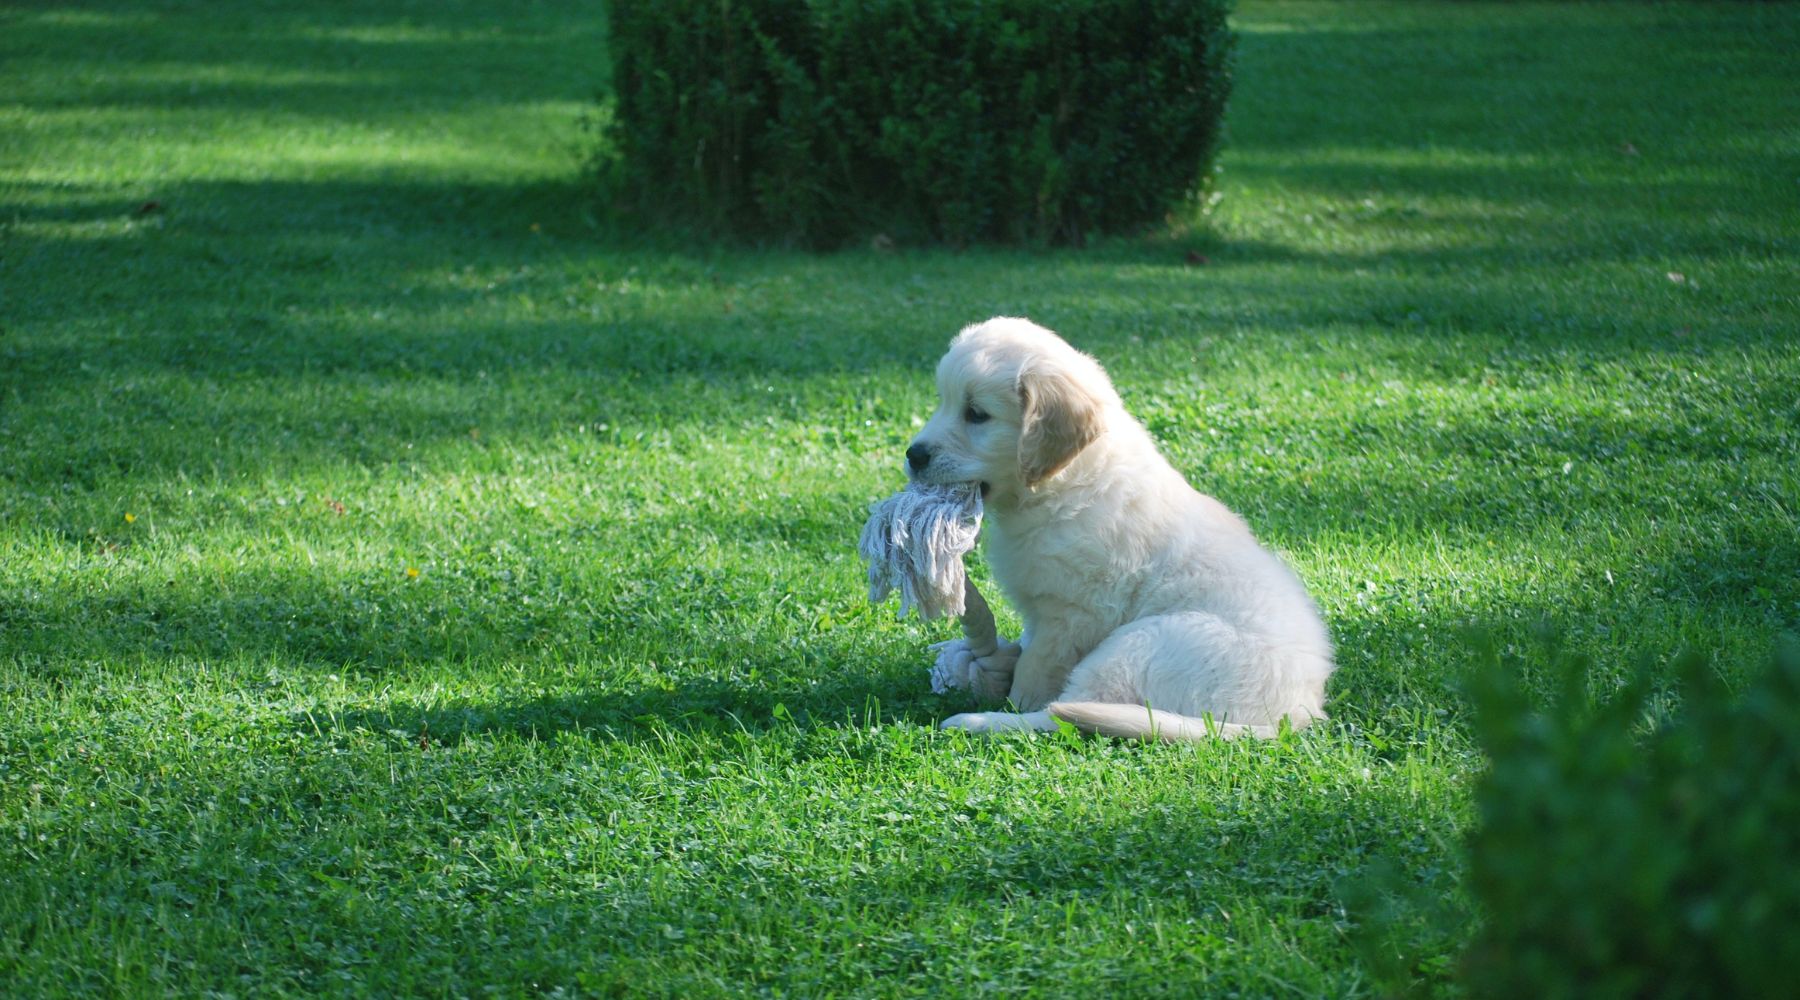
1149 609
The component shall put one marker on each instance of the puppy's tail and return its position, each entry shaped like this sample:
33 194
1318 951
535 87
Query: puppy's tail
1140 722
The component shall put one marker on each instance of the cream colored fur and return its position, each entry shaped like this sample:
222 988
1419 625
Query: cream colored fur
1149 609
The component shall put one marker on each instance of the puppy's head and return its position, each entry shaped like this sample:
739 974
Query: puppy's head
1016 405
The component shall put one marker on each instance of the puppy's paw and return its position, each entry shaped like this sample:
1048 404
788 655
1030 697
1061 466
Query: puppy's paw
994 672
957 667
1029 697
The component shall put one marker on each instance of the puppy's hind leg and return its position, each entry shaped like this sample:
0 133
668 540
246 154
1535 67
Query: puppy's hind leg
1191 676
1002 722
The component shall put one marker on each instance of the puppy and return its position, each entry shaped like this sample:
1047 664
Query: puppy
1149 609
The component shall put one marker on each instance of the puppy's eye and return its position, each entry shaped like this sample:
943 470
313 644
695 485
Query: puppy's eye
975 414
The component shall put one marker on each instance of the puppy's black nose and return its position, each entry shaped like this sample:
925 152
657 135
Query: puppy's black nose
918 457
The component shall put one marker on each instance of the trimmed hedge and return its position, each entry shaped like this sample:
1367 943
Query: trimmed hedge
819 121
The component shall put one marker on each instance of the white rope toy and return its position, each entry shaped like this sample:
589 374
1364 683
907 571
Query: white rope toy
915 542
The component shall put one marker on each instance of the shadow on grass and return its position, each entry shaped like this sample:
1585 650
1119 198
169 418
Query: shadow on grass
361 60
859 694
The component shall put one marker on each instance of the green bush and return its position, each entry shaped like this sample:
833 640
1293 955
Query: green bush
1619 850
958 121
1611 861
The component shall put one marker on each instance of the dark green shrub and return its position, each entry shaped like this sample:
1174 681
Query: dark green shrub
1608 861
950 120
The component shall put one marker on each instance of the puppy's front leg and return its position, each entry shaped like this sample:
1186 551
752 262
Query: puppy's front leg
990 676
1041 674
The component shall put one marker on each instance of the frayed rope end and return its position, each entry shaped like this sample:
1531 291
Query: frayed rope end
915 541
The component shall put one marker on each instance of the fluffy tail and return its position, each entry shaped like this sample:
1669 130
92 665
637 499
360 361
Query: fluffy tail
1139 722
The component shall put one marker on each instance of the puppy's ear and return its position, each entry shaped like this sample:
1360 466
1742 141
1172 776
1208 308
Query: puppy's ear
1061 417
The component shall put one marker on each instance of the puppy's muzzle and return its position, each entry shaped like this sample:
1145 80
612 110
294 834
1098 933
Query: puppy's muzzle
917 458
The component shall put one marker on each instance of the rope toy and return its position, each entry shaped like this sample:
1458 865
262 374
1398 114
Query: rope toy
914 542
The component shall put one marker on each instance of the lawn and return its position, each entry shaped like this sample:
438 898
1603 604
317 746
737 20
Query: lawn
413 581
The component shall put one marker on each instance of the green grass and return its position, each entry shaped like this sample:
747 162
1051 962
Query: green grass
633 727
